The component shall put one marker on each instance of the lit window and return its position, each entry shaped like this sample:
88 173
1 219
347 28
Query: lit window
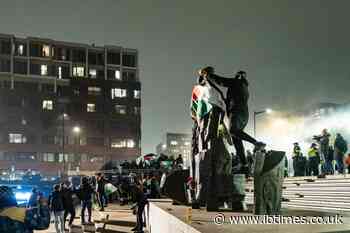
92 73
137 110
59 72
17 138
187 143
173 143
118 143
94 90
20 49
130 143
78 71
48 157
47 104
46 51
120 109
117 75
137 94
118 93
43 69
91 108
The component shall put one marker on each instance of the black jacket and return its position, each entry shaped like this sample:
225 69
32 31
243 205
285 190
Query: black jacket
237 94
67 195
56 201
85 192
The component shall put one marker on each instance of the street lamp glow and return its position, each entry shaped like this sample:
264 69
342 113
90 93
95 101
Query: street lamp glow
76 129
65 115
268 110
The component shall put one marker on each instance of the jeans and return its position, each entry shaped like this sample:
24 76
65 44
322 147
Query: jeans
86 205
70 211
59 221
339 157
139 219
102 199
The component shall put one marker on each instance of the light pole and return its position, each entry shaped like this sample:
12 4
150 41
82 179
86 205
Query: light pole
268 111
77 130
64 116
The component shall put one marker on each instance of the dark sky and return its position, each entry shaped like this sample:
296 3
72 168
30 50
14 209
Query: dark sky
295 52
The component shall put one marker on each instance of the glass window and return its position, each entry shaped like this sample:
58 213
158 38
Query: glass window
94 90
92 73
17 138
130 143
137 110
117 75
129 60
20 50
118 143
48 157
43 70
78 71
118 93
173 143
91 107
59 72
47 105
120 109
137 94
46 51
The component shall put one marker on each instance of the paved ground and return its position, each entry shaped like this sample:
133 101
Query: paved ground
121 220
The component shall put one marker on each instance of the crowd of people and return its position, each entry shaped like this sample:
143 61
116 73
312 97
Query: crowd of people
322 158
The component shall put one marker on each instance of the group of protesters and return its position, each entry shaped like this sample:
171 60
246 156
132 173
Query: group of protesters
322 157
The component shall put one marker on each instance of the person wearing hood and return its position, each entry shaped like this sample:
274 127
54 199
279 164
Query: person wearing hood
15 219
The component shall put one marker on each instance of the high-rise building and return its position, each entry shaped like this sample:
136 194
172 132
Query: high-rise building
67 106
176 143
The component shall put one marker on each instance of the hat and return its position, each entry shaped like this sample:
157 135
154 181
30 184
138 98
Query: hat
7 198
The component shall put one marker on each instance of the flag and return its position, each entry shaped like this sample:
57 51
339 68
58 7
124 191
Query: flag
110 188
199 102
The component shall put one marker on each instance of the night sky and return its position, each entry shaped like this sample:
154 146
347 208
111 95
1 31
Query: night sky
295 52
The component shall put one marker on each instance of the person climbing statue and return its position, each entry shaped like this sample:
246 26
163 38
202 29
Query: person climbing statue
236 100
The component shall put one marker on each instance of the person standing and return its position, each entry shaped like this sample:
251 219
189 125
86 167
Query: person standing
102 197
323 140
56 206
296 158
68 205
33 200
340 148
314 160
85 195
141 201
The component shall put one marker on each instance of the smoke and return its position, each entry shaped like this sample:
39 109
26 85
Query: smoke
281 130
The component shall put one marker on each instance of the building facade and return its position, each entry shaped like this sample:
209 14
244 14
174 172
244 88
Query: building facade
175 144
67 106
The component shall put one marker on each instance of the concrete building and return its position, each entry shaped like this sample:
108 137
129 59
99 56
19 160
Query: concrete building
175 144
67 106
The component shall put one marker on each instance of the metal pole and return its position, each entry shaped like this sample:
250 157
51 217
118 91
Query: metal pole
63 137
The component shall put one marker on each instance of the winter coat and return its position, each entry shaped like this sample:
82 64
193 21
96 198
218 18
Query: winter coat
56 201
85 192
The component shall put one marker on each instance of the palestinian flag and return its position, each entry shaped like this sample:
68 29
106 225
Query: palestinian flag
200 105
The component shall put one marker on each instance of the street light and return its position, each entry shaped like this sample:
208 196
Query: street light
76 129
268 111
